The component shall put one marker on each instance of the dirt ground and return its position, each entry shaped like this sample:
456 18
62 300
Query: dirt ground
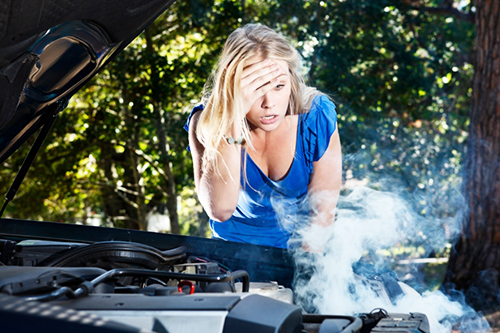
431 275
494 320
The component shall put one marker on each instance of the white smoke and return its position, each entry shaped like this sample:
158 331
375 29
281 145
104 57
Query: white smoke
367 221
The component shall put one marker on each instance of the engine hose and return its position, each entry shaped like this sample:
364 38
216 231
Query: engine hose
149 256
86 287
174 275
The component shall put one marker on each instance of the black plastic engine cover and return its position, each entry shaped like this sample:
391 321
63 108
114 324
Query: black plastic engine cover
20 316
22 280
261 314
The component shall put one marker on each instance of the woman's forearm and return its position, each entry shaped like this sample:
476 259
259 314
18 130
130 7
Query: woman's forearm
324 191
218 184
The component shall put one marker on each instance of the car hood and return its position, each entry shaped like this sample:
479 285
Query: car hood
50 48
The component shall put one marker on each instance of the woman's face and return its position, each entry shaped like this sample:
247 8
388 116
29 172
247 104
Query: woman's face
268 112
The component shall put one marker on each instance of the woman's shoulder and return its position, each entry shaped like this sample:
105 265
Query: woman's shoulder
319 124
321 111
194 113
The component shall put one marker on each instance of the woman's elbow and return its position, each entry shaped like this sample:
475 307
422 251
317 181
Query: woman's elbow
220 214
218 207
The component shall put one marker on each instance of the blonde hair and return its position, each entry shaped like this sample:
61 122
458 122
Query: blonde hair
222 95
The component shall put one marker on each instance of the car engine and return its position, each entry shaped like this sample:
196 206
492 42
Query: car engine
118 286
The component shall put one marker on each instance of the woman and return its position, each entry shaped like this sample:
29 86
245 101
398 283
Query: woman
265 147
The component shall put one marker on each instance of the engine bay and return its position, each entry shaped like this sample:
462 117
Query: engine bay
122 286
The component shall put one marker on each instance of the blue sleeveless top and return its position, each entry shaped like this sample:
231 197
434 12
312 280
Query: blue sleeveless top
268 211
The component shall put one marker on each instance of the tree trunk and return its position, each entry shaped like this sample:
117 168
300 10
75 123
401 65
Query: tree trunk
478 248
169 187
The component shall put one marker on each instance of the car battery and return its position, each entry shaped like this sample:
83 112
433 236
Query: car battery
403 323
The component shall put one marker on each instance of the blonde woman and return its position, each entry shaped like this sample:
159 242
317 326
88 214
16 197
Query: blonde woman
265 147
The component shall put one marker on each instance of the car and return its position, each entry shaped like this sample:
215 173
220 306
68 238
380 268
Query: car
59 277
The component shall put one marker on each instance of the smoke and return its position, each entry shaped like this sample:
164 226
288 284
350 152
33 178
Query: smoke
367 222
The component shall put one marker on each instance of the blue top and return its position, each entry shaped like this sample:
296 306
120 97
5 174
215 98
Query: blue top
268 211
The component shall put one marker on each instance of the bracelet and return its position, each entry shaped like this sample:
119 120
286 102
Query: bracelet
232 141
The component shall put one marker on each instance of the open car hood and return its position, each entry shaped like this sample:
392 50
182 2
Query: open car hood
50 48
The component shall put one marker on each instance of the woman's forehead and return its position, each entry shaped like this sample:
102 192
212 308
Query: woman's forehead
258 58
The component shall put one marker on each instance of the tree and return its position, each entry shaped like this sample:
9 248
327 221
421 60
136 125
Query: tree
475 259
136 118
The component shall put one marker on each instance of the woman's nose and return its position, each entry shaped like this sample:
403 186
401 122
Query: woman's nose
268 102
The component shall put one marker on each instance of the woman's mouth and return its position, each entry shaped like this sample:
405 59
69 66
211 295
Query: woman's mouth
269 119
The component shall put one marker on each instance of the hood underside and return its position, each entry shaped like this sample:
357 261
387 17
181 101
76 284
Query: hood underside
50 48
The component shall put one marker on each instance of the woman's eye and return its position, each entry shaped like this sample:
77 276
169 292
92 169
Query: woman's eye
279 86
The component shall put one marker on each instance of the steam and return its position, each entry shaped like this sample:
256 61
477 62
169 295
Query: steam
367 221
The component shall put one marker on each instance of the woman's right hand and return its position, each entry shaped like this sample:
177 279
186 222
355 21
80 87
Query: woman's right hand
257 80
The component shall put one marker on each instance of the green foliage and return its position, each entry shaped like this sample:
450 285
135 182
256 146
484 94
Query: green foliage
195 220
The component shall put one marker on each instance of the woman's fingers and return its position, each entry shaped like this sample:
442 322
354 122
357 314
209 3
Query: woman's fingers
251 96
268 86
259 74
253 64
261 84
256 66
258 79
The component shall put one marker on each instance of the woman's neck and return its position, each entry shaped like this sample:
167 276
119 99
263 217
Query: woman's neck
274 151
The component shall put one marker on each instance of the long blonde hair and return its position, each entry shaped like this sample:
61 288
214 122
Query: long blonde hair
222 95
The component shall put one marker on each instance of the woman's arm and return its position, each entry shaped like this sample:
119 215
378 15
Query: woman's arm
217 188
218 185
324 190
